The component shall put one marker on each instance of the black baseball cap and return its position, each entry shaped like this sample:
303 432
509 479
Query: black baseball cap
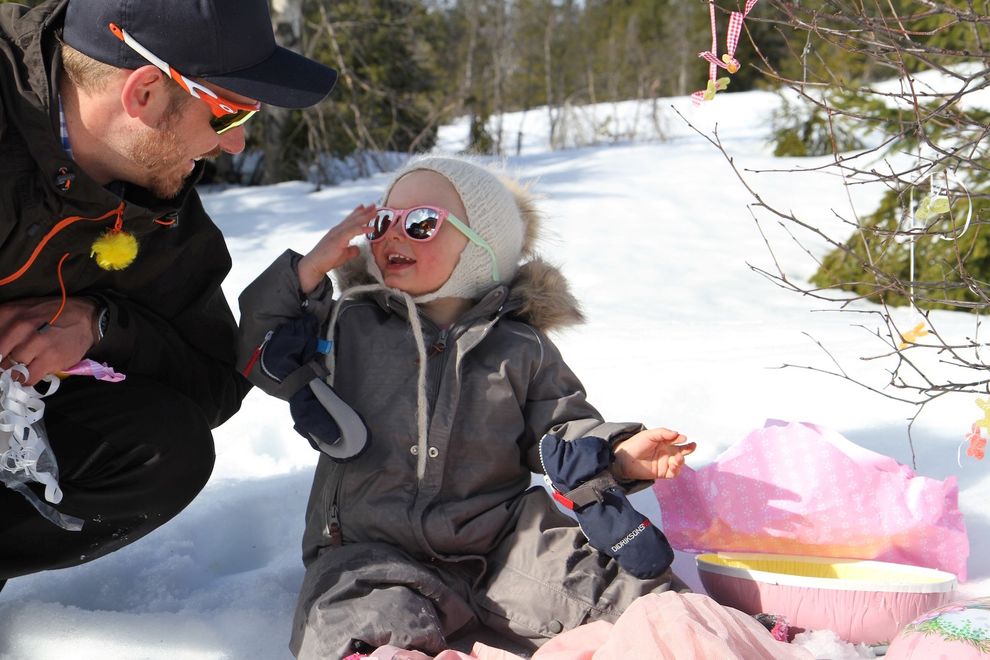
226 42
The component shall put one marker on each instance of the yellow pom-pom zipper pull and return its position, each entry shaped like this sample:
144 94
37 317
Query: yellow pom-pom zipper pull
115 249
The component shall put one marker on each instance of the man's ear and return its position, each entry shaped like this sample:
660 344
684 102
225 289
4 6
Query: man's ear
145 94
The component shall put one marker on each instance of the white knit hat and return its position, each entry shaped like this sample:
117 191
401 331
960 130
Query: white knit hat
492 212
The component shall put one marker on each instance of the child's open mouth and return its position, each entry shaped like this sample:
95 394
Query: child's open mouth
396 259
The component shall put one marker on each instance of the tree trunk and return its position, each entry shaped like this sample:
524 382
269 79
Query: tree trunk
548 71
287 23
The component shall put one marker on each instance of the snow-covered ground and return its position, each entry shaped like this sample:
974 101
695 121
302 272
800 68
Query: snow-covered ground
655 236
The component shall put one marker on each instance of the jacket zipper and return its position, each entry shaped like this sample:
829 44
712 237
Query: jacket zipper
332 530
439 347
334 534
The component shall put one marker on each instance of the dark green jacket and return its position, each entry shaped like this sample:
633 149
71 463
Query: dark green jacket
168 318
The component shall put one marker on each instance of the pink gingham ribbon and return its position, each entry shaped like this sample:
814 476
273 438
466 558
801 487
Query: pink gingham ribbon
727 61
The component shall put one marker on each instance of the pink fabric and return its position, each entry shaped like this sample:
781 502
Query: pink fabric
667 626
481 652
478 652
582 643
672 626
796 488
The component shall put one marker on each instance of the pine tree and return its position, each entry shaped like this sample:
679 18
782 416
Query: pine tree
948 137
892 93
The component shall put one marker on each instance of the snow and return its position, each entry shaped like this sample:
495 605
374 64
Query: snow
657 238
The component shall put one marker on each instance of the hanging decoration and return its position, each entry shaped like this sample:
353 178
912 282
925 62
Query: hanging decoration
936 203
912 335
977 443
984 405
728 59
933 205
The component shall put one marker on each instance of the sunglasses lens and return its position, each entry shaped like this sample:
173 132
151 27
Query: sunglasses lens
422 223
232 120
379 226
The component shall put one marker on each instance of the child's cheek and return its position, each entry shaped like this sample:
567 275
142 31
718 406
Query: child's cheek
376 254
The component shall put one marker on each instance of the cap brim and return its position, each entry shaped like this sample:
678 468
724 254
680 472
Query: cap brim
286 80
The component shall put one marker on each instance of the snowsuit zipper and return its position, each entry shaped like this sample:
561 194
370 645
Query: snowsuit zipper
436 370
332 531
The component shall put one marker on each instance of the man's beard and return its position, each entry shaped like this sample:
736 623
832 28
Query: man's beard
160 153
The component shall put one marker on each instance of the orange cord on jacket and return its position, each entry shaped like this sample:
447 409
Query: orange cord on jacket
59 226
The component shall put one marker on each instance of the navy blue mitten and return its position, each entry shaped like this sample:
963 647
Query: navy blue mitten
578 473
319 415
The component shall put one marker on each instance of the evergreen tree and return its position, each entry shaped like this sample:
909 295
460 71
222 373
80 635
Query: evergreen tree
892 93
385 56
948 138
407 66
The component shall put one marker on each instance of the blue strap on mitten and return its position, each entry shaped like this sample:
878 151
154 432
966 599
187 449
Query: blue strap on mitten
577 471
319 415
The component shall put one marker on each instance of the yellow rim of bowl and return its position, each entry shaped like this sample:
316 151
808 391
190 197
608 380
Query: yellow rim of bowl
827 572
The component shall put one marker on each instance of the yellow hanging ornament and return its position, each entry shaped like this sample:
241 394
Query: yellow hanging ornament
115 249
912 335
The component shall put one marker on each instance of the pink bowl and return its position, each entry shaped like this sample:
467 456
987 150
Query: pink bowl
861 601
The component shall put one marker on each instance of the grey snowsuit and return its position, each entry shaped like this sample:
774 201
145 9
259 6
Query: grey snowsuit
422 562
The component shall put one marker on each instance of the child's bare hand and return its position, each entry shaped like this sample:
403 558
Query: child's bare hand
334 249
651 454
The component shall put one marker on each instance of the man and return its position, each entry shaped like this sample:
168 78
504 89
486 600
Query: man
107 110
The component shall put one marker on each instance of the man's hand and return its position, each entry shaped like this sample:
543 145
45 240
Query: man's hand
45 349
651 454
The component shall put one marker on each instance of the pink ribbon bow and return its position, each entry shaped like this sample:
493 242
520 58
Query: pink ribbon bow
728 61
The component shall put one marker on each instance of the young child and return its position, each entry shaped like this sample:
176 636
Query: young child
422 528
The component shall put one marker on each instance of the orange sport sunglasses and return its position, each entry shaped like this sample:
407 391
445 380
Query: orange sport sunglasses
227 114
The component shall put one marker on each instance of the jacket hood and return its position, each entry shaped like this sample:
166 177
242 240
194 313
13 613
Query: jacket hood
33 34
539 294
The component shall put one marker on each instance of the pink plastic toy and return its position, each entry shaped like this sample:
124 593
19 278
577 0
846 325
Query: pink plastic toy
959 631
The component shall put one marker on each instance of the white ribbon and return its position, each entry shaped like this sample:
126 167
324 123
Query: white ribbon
21 408
918 225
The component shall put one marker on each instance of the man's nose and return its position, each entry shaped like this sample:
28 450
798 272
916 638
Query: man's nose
233 140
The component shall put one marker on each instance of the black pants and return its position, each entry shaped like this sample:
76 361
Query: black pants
130 455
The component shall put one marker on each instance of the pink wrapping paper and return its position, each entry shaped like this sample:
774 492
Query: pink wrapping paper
796 488
99 371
